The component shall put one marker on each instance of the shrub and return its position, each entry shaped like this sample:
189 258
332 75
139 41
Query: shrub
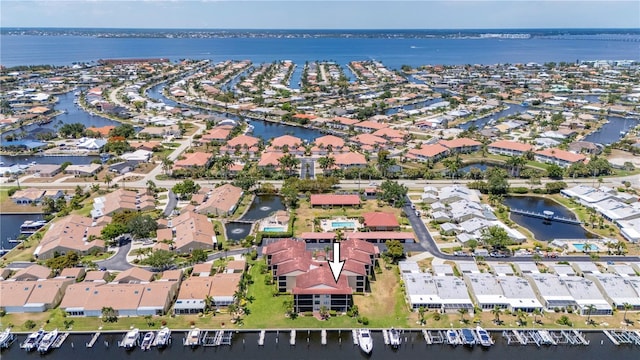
519 190
436 316
564 320
364 320
29 324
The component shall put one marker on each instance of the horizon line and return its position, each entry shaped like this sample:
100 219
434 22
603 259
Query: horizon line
320 29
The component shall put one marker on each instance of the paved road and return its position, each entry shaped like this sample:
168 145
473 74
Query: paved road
172 201
118 262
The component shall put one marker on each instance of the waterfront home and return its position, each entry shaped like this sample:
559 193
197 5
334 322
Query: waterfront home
28 196
83 170
88 299
368 142
618 290
630 229
224 289
369 126
380 221
120 200
270 160
389 133
505 292
508 148
425 153
32 296
286 143
220 201
71 233
446 294
331 200
44 170
137 156
91 144
217 135
189 231
101 131
193 160
195 290
461 145
327 144
160 132
559 157
243 144
342 123
317 289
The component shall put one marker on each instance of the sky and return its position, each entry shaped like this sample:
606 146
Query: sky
331 14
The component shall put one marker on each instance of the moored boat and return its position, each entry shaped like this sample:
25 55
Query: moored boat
163 338
147 340
47 341
32 341
30 226
193 338
452 337
394 338
365 341
483 337
6 338
468 338
130 339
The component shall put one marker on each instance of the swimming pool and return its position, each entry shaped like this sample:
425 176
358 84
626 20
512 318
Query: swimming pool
581 246
343 224
274 229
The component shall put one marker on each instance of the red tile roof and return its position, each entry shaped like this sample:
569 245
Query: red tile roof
510 145
320 281
432 150
561 155
327 140
332 199
459 143
380 219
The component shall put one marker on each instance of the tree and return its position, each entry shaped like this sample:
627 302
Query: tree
421 311
245 181
142 226
393 193
208 302
384 162
198 255
536 312
289 162
125 130
73 130
151 186
107 179
496 237
186 188
590 309
453 165
113 230
395 250
160 260
627 307
109 314
223 164
69 260
555 171
326 162
497 182
166 164
515 163
496 311
463 312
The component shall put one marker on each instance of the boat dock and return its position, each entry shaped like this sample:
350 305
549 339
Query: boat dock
544 337
549 217
354 335
385 335
261 338
292 338
218 338
93 340
323 337
59 340
623 337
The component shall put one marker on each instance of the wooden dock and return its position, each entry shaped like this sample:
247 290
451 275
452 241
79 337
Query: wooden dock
546 217
59 340
93 340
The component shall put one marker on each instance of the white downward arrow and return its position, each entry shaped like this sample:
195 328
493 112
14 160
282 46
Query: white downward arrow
336 265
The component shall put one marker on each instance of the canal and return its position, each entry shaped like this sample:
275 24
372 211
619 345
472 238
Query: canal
261 207
542 229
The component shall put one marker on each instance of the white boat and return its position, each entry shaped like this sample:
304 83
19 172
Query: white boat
163 338
6 338
483 337
365 341
147 340
31 226
32 341
452 337
394 338
130 339
47 341
193 338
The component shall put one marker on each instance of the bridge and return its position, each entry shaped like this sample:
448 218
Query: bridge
546 216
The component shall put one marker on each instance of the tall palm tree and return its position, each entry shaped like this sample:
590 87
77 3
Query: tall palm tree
326 162
627 307
536 313
107 179
590 308
463 312
166 164
496 311
223 163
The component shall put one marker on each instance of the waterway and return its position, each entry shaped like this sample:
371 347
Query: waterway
339 346
261 207
541 229
10 227
612 131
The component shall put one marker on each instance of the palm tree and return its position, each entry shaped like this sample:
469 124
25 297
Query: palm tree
107 179
223 163
627 307
326 162
463 312
289 162
590 308
536 313
208 301
151 186
166 164
496 311
516 163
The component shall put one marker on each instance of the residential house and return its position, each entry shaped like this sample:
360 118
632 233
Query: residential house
71 233
461 145
120 200
425 153
193 160
508 148
331 200
380 221
189 231
221 201
559 157
83 170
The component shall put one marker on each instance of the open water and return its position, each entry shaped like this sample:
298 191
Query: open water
244 346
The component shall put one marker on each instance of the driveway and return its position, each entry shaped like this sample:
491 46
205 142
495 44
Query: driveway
117 262
172 201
